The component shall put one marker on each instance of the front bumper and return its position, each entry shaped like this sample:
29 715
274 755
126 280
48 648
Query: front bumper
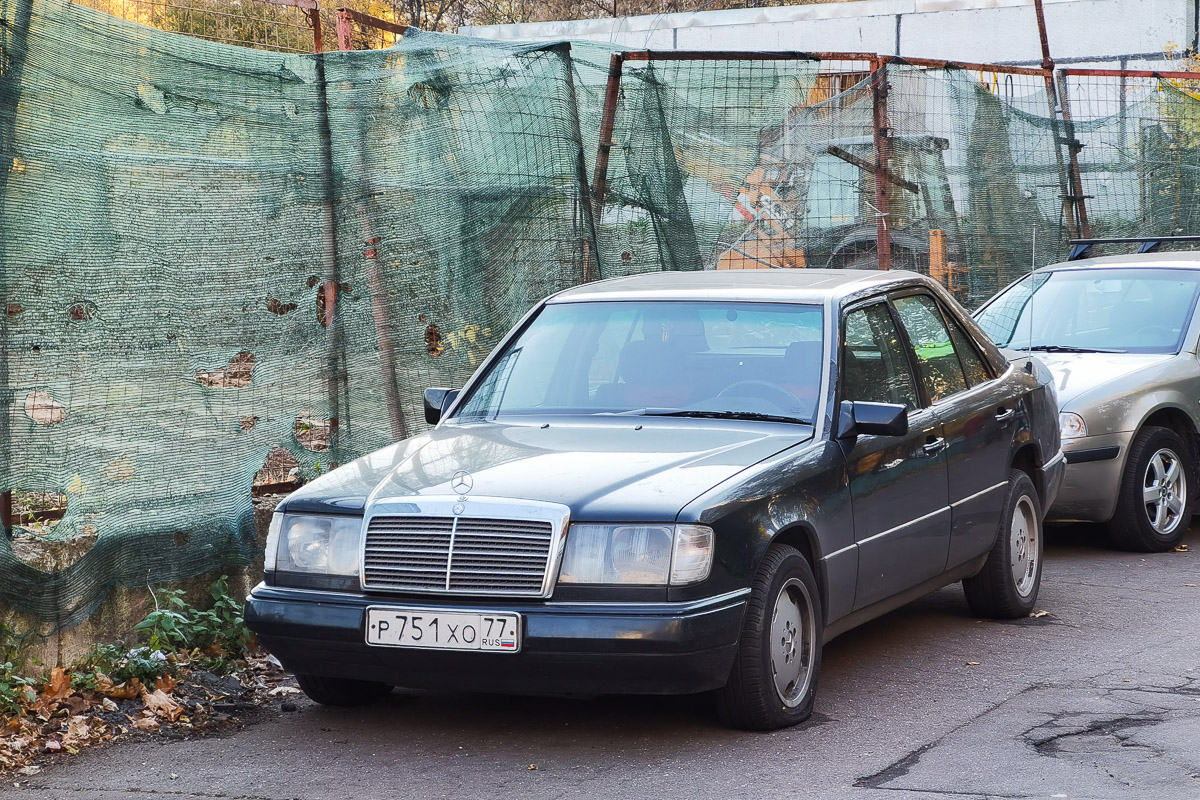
587 648
1093 477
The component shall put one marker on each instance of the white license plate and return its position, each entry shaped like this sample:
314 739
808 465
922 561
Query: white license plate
442 629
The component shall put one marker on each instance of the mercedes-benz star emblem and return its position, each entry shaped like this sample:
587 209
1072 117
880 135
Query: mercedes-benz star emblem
461 482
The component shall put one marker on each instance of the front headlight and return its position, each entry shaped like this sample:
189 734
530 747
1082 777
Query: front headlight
315 544
643 555
1070 426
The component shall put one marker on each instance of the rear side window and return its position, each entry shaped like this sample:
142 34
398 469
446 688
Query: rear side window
936 358
972 362
875 368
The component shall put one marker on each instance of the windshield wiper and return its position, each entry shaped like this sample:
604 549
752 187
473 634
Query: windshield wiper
750 415
1065 348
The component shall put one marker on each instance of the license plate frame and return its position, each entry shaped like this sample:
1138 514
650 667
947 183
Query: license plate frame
447 626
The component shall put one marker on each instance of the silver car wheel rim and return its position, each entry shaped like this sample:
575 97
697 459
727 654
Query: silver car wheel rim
1024 550
793 642
1164 491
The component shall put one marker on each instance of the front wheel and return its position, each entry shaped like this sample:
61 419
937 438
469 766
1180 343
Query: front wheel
774 679
1007 586
1154 501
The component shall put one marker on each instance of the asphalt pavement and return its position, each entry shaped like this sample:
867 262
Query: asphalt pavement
1099 698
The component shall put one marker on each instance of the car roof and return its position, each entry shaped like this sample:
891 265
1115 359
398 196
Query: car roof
757 285
1135 261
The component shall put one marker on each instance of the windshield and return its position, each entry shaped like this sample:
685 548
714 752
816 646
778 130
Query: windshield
749 360
1110 310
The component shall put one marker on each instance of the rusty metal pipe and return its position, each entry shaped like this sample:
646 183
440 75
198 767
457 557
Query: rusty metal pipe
370 21
607 123
881 134
742 55
1132 73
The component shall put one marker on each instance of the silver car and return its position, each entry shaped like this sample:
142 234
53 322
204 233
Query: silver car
1120 335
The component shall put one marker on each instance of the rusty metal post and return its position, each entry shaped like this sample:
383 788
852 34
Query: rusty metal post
1073 148
1047 61
345 30
314 22
607 123
883 144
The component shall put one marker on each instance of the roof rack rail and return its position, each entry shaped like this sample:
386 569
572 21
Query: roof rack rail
1082 248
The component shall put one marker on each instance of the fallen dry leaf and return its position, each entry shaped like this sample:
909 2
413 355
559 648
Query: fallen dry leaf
279 691
145 724
972 663
127 690
78 730
60 684
163 705
1181 548
166 683
1039 613
1192 585
533 766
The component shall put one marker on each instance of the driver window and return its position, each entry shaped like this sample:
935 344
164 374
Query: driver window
874 366
939 364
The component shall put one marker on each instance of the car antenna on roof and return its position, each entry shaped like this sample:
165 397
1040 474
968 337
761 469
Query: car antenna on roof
1032 292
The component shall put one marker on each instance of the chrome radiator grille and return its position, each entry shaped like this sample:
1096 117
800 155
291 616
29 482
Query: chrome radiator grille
467 555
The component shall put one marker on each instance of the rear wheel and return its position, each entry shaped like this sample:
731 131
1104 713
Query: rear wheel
1154 501
1007 586
341 691
774 679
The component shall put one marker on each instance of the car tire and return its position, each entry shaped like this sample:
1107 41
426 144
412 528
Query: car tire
1007 586
773 682
341 691
1135 525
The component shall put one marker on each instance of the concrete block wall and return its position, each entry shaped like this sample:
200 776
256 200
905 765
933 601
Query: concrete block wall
123 608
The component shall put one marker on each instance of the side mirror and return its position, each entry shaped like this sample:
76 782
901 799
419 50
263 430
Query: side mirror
859 418
436 403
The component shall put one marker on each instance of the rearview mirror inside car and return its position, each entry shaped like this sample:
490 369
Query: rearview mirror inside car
860 418
436 403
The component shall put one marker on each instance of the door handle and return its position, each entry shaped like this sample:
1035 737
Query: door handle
934 445
1004 415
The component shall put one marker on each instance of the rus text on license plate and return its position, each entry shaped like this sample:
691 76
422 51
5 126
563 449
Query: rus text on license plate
442 629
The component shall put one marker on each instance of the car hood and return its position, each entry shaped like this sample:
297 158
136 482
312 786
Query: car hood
612 470
1077 373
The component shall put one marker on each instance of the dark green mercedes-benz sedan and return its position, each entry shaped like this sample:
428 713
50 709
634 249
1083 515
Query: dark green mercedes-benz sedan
674 483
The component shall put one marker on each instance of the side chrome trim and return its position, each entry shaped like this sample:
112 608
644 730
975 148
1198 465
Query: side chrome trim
683 605
845 549
930 515
1062 455
981 493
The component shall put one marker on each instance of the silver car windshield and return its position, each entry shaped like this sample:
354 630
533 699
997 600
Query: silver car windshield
1101 310
701 359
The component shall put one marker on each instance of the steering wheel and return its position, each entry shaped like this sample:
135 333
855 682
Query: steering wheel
764 390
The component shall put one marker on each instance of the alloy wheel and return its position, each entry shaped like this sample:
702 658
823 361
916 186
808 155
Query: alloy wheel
1164 491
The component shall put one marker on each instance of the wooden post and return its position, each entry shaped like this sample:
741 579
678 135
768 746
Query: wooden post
607 123
6 512
938 269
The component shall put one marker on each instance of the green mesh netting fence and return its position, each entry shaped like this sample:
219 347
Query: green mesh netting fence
208 253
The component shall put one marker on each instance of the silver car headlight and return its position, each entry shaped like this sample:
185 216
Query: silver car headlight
1070 426
643 555
314 543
